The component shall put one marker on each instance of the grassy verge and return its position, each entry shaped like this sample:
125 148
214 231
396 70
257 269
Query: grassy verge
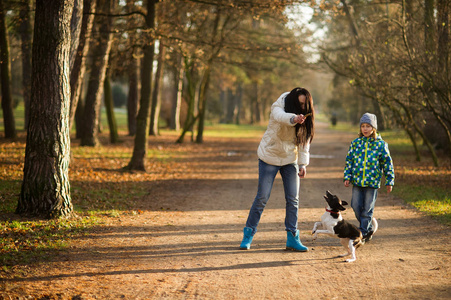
417 183
25 242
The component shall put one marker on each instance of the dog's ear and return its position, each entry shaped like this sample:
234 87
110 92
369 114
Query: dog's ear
344 203
341 207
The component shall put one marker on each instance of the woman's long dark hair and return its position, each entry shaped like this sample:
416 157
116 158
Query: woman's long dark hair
304 132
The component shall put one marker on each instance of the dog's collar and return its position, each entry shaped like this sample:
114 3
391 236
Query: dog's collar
332 212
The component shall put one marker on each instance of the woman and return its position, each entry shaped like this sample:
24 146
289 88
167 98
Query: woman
284 148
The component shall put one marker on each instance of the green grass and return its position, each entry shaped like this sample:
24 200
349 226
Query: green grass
234 131
107 196
19 118
19 113
10 189
433 201
25 242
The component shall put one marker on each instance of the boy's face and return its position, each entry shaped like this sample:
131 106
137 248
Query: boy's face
366 129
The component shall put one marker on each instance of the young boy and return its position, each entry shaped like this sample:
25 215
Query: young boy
368 158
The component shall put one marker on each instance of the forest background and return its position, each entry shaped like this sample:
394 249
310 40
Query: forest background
177 66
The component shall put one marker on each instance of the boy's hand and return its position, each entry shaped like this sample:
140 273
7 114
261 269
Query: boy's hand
346 182
389 188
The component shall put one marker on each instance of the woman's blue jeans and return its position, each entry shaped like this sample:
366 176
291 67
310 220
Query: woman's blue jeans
291 182
363 202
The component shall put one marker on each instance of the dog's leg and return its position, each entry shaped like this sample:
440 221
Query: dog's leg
351 246
345 243
323 231
315 227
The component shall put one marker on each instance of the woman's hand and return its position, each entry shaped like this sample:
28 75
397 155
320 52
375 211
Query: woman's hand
299 119
302 172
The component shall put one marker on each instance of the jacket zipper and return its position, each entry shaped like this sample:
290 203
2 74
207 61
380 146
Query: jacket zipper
364 162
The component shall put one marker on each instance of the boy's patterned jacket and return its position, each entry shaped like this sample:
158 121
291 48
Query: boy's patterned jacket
367 159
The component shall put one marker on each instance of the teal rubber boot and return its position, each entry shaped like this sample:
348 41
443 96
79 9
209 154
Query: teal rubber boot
294 243
247 239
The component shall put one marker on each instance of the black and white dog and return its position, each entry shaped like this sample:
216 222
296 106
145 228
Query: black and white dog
332 223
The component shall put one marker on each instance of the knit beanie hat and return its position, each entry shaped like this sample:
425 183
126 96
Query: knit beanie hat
369 119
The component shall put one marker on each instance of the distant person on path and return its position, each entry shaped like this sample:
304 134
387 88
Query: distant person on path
368 158
284 148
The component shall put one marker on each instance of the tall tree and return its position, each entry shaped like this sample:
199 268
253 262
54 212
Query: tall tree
177 93
137 161
75 28
156 94
133 73
78 68
109 107
45 188
100 55
5 76
133 92
26 34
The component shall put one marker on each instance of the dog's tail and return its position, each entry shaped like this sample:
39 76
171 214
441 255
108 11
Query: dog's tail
375 225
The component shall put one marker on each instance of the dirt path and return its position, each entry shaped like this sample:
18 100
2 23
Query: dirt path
185 243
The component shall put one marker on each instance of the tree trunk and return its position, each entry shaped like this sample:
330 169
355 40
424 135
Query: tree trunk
45 188
101 51
109 106
256 111
443 7
206 77
429 27
419 131
258 104
133 92
203 103
133 75
380 115
229 105
79 66
156 95
26 43
191 89
137 161
5 70
239 98
79 117
352 24
177 100
75 29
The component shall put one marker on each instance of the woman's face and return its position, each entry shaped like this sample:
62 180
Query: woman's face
302 100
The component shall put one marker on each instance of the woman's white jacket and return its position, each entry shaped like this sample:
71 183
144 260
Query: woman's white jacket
277 146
